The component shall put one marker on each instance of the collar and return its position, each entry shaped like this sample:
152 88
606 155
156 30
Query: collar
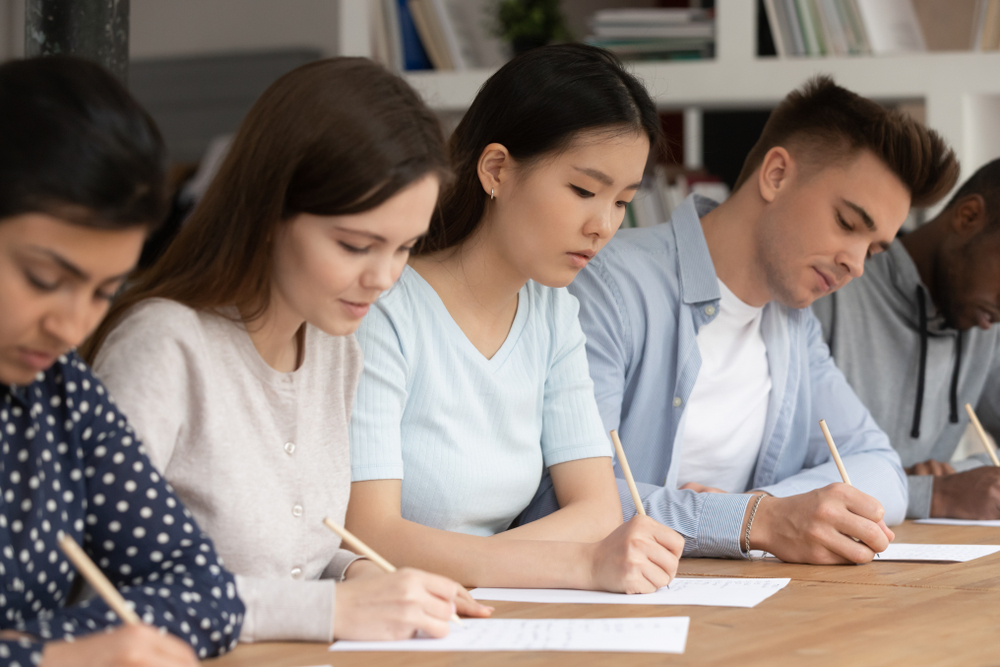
698 281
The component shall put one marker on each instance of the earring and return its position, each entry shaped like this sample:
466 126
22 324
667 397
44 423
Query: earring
491 193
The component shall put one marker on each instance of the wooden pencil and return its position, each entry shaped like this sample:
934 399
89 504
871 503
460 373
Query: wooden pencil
623 462
360 547
982 434
81 561
834 452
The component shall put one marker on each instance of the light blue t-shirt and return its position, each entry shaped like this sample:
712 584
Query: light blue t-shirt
472 435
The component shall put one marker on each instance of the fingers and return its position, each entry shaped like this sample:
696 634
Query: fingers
434 594
936 468
858 502
888 532
469 606
944 469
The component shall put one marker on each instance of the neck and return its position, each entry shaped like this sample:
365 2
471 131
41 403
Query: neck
474 274
730 232
922 244
276 336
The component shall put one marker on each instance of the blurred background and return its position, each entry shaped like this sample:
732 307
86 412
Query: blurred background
715 67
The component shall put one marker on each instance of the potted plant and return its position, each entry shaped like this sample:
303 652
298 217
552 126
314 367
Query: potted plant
526 24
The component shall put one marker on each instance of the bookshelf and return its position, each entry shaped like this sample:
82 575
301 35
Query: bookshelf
960 90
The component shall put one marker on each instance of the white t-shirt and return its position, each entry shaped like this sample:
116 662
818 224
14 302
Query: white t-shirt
724 420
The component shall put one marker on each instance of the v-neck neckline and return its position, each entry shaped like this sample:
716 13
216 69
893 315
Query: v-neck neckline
516 328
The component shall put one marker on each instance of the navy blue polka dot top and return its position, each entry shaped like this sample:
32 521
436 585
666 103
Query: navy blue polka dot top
70 463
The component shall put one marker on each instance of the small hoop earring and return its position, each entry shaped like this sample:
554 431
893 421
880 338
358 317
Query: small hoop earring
491 193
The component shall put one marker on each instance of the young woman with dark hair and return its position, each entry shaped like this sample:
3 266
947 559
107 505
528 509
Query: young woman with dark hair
81 185
475 377
233 352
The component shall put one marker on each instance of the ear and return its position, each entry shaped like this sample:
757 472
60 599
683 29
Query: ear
495 164
774 173
968 216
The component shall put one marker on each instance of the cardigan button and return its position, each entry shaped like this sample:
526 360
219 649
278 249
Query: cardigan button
296 573
677 401
297 511
289 448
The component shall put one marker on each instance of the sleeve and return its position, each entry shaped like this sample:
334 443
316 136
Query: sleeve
872 463
709 522
144 363
145 541
571 424
20 652
376 439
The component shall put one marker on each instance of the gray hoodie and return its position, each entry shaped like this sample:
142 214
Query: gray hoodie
914 373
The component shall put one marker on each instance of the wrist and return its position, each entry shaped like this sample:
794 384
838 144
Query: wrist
755 534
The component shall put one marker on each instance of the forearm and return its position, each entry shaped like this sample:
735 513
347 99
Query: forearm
473 560
584 521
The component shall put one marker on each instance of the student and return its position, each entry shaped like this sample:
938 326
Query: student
475 375
81 185
916 340
235 357
705 360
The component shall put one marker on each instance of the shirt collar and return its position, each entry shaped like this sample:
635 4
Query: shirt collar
698 281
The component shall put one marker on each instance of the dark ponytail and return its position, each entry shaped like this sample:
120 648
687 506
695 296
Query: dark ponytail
535 106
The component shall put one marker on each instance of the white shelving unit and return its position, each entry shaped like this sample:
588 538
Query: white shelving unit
961 90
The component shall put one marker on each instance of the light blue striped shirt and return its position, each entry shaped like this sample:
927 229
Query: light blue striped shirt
469 436
642 301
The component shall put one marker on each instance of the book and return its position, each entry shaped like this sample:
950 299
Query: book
414 55
891 26
473 23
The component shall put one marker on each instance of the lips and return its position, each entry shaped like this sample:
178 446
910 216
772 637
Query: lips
36 359
356 309
579 258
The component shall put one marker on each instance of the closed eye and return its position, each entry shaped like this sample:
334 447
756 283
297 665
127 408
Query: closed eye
586 194
843 223
354 249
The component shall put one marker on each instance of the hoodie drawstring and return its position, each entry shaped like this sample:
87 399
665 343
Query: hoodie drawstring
953 396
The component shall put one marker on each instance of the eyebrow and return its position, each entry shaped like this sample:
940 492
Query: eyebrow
869 223
72 268
600 176
370 235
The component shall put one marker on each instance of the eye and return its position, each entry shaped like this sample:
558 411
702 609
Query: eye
40 284
843 223
353 249
586 194
406 248
622 204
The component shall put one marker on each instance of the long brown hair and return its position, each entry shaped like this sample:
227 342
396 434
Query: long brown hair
334 137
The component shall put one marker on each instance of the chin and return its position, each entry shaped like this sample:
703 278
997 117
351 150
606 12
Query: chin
12 374
557 278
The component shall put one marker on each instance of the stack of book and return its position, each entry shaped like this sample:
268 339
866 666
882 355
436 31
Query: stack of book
435 34
664 189
654 34
843 27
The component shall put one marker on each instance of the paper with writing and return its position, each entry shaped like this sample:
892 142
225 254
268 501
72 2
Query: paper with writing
631 635
707 591
942 553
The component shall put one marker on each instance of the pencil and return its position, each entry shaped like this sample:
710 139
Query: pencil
360 547
836 458
623 462
96 578
982 434
834 452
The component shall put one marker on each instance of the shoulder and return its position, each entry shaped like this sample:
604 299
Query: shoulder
159 318
635 251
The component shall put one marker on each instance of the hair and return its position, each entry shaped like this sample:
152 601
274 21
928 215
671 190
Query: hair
985 183
535 106
823 123
77 146
334 137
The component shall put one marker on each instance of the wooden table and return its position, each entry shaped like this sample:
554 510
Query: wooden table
875 614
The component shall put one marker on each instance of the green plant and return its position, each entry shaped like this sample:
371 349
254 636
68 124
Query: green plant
530 23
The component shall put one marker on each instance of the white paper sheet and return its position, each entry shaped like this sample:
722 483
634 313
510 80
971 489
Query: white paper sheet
961 522
626 635
951 553
708 591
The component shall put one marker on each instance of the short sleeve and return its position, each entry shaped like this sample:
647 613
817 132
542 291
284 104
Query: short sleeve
571 424
376 439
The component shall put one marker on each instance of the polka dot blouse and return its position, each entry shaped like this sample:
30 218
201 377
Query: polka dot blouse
70 463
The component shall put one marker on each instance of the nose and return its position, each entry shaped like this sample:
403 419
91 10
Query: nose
382 274
604 225
854 262
71 322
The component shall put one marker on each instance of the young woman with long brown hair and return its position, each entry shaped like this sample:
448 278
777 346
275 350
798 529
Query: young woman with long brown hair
475 377
234 354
